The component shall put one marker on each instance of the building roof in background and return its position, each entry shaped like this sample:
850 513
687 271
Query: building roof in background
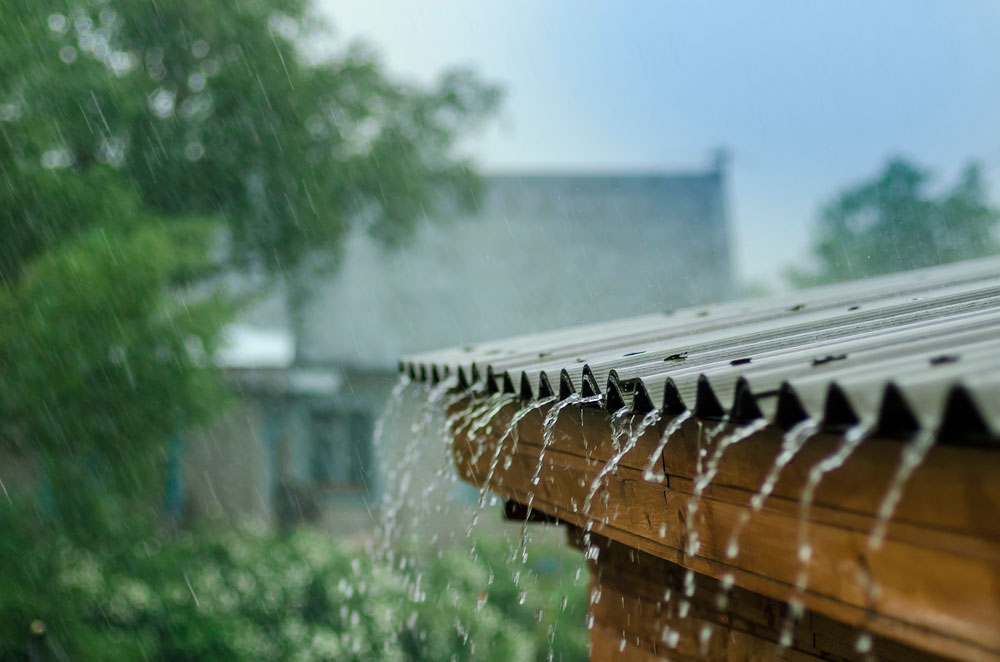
245 346
901 353
544 251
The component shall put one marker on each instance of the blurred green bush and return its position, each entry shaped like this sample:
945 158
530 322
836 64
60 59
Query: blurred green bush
245 595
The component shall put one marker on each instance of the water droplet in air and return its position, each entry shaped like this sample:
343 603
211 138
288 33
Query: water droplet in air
58 23
194 151
196 82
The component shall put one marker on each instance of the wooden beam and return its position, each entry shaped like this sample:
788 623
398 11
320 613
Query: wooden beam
637 618
938 571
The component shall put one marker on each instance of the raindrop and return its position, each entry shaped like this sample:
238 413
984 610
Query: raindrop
57 158
82 23
117 354
196 82
194 151
10 111
199 48
67 54
162 103
156 71
108 16
58 23
122 62
315 125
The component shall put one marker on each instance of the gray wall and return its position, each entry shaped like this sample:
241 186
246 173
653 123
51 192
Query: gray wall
544 252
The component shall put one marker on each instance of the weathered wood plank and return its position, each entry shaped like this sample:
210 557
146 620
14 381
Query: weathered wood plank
635 620
938 571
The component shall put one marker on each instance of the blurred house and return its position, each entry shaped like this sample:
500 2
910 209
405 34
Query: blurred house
544 251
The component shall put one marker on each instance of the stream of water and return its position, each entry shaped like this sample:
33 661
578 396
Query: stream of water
792 442
850 442
511 429
548 439
913 456
611 466
673 427
709 468
474 423
399 475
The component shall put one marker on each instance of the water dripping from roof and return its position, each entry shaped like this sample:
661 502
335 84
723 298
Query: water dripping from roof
792 442
673 427
850 442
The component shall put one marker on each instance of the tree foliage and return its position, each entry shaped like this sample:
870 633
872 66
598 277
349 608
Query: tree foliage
894 222
214 107
145 146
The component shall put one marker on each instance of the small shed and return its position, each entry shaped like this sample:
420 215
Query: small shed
804 477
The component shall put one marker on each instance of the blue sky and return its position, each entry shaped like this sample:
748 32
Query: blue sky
808 97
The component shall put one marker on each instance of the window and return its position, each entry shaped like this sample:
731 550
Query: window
340 450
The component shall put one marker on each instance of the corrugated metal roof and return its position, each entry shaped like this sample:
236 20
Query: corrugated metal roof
908 351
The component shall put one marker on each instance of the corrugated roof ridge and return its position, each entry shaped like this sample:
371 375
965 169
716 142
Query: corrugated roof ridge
924 346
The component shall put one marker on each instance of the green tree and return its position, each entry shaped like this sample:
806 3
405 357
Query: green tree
215 107
894 222
145 147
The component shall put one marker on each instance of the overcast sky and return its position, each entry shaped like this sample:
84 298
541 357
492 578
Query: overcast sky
807 96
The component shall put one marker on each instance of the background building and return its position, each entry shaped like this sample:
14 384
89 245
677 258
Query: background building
544 251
